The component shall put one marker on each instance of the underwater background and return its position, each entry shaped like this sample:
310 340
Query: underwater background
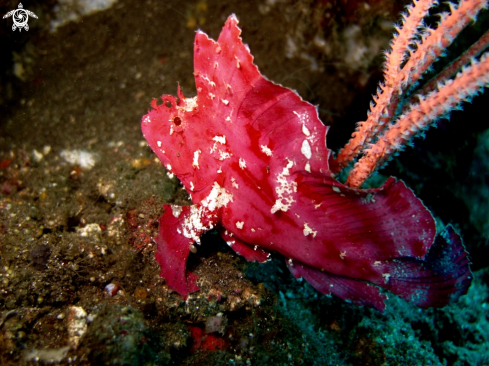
81 192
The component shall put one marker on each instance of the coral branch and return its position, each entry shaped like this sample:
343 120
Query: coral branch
438 40
455 66
432 46
368 129
438 104
400 43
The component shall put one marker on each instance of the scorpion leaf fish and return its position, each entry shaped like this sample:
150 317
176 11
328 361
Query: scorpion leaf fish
253 157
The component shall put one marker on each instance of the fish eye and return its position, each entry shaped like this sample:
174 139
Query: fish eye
177 121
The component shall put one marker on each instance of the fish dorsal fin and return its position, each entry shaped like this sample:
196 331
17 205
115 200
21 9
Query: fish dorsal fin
264 124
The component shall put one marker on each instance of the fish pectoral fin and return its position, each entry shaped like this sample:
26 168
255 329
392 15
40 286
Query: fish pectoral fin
180 228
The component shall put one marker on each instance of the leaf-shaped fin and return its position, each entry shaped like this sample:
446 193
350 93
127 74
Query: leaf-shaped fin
264 123
359 292
180 227
367 225
224 68
441 278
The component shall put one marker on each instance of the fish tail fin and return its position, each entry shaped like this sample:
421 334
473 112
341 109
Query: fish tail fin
439 279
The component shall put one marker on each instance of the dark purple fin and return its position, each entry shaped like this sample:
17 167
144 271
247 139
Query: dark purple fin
441 278
173 250
250 252
356 291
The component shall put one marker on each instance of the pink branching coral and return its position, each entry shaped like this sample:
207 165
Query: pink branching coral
394 118
252 155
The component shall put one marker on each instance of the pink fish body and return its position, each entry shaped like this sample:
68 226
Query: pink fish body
253 157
